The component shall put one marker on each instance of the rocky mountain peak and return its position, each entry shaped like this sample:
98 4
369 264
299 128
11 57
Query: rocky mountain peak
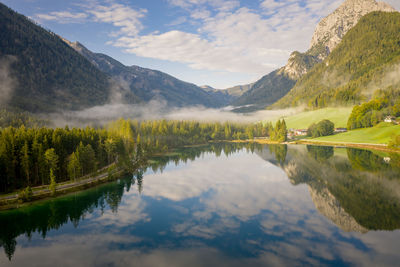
331 29
329 33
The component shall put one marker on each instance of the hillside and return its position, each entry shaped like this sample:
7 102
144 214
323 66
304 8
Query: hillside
380 134
150 84
328 34
40 73
303 120
367 59
238 90
267 90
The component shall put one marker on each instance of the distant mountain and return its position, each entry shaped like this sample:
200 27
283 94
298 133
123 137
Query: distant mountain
150 84
238 90
328 34
230 94
368 58
40 73
267 90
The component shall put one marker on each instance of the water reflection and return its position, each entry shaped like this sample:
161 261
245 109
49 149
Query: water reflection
222 205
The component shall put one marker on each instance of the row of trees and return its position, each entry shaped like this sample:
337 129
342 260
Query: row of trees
45 156
42 156
279 133
384 103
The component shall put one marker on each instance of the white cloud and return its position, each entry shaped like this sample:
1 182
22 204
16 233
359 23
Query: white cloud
229 37
271 4
200 14
63 17
121 16
235 39
222 5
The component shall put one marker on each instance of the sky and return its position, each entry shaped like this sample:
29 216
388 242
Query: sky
220 43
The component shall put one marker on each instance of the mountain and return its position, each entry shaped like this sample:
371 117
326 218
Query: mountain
230 94
238 90
328 34
368 58
267 90
40 73
331 30
150 84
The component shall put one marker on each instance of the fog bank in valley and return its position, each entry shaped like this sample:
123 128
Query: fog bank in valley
156 110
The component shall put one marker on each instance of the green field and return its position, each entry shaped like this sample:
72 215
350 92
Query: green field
303 120
380 134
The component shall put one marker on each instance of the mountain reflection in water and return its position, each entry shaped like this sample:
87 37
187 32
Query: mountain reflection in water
225 205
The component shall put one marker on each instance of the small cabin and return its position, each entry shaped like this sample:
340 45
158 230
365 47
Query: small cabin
390 119
340 130
300 132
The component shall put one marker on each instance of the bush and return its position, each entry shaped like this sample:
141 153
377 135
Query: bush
322 128
26 194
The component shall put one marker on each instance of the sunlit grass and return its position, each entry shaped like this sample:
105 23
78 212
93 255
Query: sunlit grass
380 134
303 120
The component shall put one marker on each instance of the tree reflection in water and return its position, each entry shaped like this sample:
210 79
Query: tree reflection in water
355 189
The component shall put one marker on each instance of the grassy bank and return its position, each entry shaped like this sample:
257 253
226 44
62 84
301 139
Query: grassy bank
303 120
380 134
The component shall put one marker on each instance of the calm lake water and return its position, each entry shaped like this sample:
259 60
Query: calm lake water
222 205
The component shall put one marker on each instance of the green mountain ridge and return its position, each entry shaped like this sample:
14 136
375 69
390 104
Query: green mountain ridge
366 59
327 35
46 73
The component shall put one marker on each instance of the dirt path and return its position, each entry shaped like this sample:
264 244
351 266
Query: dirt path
60 188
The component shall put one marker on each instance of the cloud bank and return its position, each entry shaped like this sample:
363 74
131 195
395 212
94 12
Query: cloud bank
231 36
156 110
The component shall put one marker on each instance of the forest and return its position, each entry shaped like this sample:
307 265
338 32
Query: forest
42 156
384 103
365 58
48 71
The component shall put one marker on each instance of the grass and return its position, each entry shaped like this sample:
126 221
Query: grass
380 134
303 120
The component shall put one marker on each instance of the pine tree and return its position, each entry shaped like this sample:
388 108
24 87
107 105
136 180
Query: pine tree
25 162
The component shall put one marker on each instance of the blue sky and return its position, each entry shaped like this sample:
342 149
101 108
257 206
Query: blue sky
220 43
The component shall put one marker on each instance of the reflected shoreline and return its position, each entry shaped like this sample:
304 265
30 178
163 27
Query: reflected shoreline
344 184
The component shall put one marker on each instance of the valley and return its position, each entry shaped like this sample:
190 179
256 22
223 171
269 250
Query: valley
204 133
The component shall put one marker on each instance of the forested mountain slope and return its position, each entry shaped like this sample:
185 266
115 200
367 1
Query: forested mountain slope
150 84
367 59
39 72
328 34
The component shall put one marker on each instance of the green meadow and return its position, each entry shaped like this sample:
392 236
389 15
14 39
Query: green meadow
303 120
380 134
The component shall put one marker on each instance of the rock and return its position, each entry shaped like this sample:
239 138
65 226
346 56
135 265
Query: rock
329 33
331 29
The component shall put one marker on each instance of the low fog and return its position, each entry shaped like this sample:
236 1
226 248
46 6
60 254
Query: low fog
7 83
154 110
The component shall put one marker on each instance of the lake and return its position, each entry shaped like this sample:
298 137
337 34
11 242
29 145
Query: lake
222 205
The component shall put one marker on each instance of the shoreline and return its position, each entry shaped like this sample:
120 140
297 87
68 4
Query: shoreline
380 147
11 200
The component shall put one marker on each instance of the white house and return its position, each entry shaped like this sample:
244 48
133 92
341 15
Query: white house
390 119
